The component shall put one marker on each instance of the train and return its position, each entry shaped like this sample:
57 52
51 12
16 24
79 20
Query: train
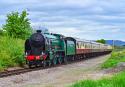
46 49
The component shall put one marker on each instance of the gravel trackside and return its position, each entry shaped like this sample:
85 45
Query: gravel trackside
57 76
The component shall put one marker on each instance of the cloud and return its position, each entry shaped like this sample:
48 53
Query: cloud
88 19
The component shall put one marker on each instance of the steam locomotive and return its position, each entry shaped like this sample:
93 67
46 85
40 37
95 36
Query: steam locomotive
44 48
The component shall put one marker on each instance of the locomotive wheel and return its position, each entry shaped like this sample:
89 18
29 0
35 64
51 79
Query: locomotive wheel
55 61
73 58
44 63
50 63
65 60
37 63
60 59
29 64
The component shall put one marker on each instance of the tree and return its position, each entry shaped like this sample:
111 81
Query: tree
101 41
18 25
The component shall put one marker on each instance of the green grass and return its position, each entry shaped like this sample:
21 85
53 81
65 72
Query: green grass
11 52
116 81
116 57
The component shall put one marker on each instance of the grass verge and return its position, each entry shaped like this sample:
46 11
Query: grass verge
11 51
116 57
117 80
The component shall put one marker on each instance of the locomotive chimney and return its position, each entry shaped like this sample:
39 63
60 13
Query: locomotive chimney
38 31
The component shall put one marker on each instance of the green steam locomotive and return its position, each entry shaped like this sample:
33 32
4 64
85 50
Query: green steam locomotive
46 49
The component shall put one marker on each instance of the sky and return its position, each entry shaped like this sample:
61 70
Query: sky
86 19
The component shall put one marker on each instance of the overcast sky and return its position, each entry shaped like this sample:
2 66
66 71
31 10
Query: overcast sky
87 19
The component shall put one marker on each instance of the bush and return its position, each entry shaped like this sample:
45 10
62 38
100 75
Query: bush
11 51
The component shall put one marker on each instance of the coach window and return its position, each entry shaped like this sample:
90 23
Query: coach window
81 45
88 45
77 45
85 45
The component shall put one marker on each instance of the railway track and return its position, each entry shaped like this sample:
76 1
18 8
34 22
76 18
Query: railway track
24 70
13 72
